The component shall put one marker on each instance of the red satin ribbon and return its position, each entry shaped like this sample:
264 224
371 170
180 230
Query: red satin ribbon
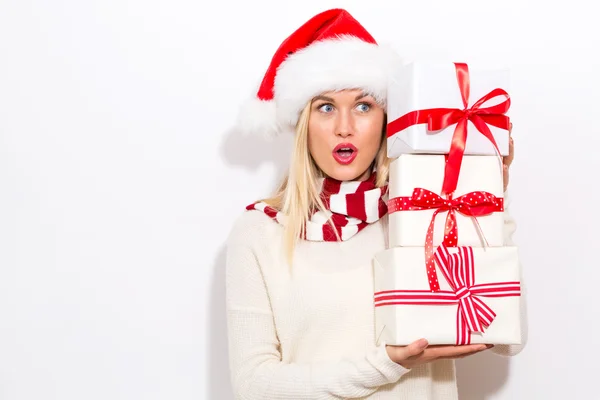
440 118
473 204
459 270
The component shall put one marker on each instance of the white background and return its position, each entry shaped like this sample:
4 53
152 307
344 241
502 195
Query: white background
119 181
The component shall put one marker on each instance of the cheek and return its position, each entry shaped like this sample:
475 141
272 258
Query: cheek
317 140
372 135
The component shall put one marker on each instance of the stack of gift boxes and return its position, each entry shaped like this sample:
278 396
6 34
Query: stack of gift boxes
447 274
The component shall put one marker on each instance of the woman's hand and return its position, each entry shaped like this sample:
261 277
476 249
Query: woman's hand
507 160
419 352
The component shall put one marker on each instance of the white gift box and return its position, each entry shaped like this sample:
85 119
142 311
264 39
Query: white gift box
400 277
427 85
478 173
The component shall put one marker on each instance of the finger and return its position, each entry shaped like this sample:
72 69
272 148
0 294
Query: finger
508 159
463 355
414 349
458 346
446 347
511 152
455 351
505 177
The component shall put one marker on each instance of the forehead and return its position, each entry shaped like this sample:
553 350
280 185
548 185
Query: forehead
344 94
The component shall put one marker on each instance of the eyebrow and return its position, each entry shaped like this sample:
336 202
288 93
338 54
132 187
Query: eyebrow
325 98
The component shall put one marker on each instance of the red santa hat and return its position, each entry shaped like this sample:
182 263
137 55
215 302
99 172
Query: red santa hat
331 51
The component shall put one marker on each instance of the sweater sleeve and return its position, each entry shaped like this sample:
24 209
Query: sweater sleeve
257 369
509 230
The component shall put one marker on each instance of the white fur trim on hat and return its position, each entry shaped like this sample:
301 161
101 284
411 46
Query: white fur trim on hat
258 117
346 62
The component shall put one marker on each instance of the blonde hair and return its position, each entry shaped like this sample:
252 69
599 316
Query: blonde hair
298 195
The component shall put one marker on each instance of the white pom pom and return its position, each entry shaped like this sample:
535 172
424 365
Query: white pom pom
258 117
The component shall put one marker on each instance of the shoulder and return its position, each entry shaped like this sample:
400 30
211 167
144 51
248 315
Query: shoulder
252 235
251 225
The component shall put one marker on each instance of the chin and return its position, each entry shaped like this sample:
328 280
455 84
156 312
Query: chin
346 173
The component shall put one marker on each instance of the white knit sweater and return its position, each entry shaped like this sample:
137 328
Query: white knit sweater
308 332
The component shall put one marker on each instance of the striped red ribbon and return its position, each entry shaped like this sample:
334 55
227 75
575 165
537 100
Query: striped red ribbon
440 118
473 315
472 204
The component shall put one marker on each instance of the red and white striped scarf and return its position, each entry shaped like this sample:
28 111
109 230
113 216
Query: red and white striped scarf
352 206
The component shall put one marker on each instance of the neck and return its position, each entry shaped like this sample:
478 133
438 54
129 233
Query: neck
365 176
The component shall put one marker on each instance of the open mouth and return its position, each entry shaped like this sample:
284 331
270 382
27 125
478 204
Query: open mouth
345 153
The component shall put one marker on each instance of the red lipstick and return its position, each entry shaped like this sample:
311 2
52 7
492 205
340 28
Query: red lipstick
345 153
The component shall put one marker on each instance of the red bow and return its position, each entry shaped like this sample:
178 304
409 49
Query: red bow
473 204
440 118
459 270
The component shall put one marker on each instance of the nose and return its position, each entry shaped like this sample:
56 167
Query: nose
344 124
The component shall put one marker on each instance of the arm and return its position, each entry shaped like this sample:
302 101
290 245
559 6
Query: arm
255 358
509 229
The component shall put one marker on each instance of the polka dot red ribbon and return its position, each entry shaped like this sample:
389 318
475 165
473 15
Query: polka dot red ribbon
473 204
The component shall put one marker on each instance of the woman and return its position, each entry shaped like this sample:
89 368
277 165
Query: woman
299 287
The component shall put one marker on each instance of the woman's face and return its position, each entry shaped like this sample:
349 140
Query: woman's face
345 133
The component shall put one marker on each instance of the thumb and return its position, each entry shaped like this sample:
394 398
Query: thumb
415 348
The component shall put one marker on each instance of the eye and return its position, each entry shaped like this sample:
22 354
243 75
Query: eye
326 108
364 107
